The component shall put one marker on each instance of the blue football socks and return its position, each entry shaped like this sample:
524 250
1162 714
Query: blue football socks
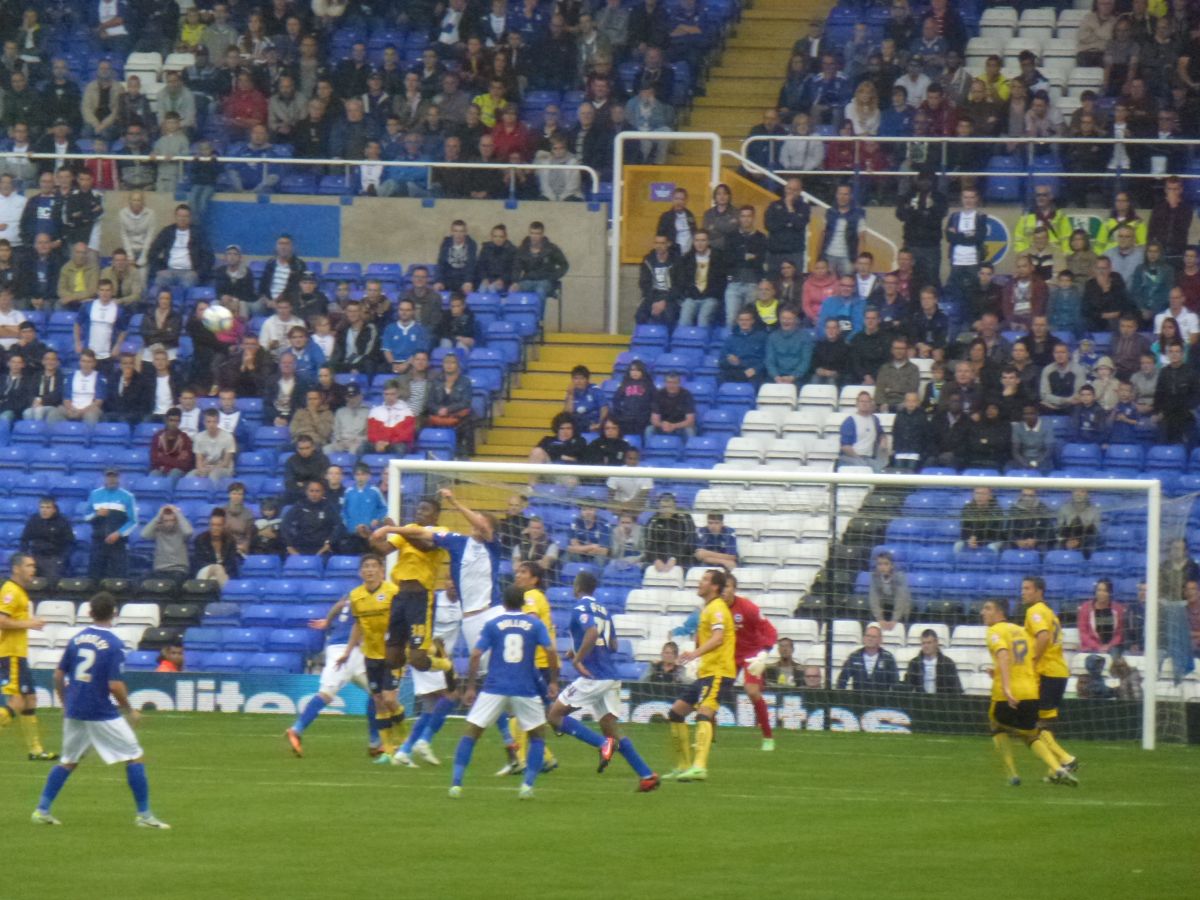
135 774
626 749
577 729
462 758
308 715
54 783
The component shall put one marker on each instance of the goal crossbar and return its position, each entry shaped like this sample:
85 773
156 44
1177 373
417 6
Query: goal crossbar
1151 489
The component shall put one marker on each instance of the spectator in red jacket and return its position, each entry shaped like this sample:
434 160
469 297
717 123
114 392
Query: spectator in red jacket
1024 297
1102 622
171 450
512 135
245 106
391 426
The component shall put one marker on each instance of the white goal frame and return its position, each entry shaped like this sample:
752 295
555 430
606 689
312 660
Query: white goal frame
1151 489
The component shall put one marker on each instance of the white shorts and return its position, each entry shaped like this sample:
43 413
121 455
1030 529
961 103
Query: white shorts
112 739
446 630
595 697
333 678
472 628
487 708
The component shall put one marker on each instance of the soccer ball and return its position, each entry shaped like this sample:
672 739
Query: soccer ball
217 319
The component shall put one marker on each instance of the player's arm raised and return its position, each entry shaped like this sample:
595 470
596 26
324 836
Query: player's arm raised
417 535
356 636
1004 664
481 522
717 639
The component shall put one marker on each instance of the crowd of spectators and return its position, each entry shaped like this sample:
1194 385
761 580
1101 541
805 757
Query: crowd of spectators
910 78
365 83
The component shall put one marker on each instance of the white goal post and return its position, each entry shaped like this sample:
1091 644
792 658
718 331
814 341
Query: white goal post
1149 490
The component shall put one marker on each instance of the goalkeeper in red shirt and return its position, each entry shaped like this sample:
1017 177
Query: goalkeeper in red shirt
755 635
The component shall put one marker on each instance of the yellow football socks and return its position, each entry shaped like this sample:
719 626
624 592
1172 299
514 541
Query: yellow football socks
1044 753
704 739
29 730
1004 747
6 716
1060 754
385 738
681 741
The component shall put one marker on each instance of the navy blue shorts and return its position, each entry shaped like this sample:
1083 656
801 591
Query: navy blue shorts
380 676
1050 695
708 692
410 623
15 677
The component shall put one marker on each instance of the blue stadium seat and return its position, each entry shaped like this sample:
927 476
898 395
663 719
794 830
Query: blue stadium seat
290 640
561 597
342 566
961 585
1063 562
242 590
621 575
218 615
248 640
931 558
719 421
504 338
141 661
439 442
689 337
1080 455
204 639
704 449
1166 458
982 559
1020 561
274 664
906 531
303 567
665 445
112 433
76 434
255 463
612 598
55 458
194 487
1124 457
649 338
223 661
270 437
29 432
924 586
261 615
735 396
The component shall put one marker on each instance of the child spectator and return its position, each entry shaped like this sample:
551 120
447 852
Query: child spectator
1089 422
1065 305
585 401
171 449
634 399
363 510
267 539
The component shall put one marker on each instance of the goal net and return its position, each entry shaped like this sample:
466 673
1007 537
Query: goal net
839 560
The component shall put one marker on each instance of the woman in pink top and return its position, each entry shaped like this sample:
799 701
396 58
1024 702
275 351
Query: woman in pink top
821 283
1101 621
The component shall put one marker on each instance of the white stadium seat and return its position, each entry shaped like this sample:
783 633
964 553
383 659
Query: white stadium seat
819 395
847 631
60 612
1039 17
777 395
848 398
805 421
652 600
806 631
762 421
969 635
672 578
943 632
139 614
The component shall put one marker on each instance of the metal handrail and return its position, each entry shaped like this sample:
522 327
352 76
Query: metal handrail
293 161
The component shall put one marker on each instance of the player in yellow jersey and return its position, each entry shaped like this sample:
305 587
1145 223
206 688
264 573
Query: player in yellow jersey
1014 708
1045 635
16 681
410 630
531 578
716 639
371 606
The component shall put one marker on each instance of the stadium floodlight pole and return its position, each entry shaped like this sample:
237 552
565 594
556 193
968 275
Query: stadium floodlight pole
618 212
1150 489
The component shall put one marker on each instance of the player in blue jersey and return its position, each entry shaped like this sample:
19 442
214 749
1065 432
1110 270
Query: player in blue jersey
337 624
513 684
87 681
597 690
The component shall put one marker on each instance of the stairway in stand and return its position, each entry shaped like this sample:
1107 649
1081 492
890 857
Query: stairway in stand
537 395
749 75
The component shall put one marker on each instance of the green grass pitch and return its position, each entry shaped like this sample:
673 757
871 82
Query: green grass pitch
826 815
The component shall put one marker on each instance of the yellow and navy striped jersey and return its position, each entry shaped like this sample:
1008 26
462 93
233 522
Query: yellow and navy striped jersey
416 565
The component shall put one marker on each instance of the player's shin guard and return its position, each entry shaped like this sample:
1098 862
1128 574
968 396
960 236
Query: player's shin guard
704 739
626 749
680 741
1059 753
537 754
762 717
1004 748
54 783
30 730
462 758
308 715
577 729
372 723
135 774
1043 752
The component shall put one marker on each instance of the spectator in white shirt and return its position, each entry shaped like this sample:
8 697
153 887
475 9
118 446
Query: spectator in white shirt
189 421
274 332
803 155
628 489
12 206
138 227
10 320
214 449
83 395
1188 321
